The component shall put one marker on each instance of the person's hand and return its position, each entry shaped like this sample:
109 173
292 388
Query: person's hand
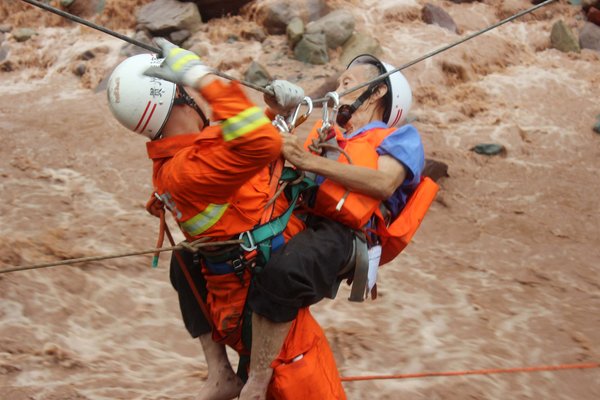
286 96
293 151
154 206
179 66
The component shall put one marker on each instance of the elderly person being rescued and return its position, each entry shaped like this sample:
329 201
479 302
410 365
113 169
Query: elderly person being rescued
368 195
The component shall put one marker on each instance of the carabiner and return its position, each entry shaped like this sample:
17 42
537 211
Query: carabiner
293 120
279 123
252 246
336 105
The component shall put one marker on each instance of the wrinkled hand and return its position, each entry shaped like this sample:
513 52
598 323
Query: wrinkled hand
293 151
286 96
154 206
179 66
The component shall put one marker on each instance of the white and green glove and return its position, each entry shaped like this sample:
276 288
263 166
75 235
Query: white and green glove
179 66
286 96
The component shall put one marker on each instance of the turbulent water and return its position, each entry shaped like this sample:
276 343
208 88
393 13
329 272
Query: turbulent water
503 273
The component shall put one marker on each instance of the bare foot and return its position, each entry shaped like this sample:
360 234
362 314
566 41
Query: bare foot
222 384
257 385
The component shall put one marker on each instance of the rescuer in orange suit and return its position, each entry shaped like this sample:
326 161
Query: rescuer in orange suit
215 181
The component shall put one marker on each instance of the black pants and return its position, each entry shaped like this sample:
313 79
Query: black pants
300 273
193 317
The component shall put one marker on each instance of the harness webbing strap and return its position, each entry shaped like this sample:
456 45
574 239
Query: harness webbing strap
276 171
262 235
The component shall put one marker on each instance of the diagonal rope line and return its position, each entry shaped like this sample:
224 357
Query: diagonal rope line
267 91
491 371
121 255
440 50
135 42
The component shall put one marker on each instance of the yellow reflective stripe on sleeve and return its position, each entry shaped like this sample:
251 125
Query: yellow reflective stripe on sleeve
207 218
246 121
174 51
177 65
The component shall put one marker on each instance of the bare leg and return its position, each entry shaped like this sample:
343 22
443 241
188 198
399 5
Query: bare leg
222 383
267 339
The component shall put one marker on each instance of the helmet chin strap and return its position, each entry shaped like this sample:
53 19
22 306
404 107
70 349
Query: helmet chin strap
345 112
185 98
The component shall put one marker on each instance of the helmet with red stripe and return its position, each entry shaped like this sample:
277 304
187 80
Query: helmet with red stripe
398 98
139 102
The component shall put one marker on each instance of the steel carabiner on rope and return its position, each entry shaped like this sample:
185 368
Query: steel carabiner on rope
329 117
280 123
295 119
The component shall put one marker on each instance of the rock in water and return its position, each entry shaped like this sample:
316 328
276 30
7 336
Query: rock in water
275 15
257 74
589 37
431 14
161 17
563 39
436 170
210 9
593 15
359 43
489 149
337 27
23 34
312 49
295 30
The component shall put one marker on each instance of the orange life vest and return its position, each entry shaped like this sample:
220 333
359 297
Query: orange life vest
357 209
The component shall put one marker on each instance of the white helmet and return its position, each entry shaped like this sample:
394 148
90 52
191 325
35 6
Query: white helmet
399 95
140 103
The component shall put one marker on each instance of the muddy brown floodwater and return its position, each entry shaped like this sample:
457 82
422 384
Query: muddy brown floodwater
503 273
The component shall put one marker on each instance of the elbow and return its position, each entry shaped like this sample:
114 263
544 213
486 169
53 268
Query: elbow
386 190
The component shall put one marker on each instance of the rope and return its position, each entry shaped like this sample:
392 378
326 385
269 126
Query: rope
473 372
135 42
181 246
270 92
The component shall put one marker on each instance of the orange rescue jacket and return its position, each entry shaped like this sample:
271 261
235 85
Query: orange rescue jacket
357 209
216 184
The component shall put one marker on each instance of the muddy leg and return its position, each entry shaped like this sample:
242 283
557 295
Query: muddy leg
222 383
267 339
